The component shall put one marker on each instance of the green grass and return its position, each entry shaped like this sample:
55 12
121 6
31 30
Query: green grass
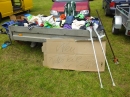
23 75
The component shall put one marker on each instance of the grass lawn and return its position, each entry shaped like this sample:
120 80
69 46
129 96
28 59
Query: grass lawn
23 75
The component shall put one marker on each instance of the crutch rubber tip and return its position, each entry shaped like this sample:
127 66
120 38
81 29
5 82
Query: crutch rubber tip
114 84
101 86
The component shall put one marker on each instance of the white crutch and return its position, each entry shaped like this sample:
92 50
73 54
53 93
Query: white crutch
90 30
99 38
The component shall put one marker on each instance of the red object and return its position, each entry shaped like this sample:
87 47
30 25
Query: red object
41 25
128 32
36 22
112 4
80 5
62 16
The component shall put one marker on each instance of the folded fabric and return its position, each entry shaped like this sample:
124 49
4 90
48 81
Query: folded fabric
77 24
7 24
21 22
67 26
69 19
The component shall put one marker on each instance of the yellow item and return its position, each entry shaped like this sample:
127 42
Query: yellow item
10 7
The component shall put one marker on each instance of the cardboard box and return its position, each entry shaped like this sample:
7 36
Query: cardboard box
71 55
16 18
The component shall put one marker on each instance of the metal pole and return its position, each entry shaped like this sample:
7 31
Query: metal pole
115 59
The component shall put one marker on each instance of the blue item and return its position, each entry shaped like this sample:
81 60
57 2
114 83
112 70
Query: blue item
26 15
7 43
4 45
7 24
21 23
69 20
95 21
